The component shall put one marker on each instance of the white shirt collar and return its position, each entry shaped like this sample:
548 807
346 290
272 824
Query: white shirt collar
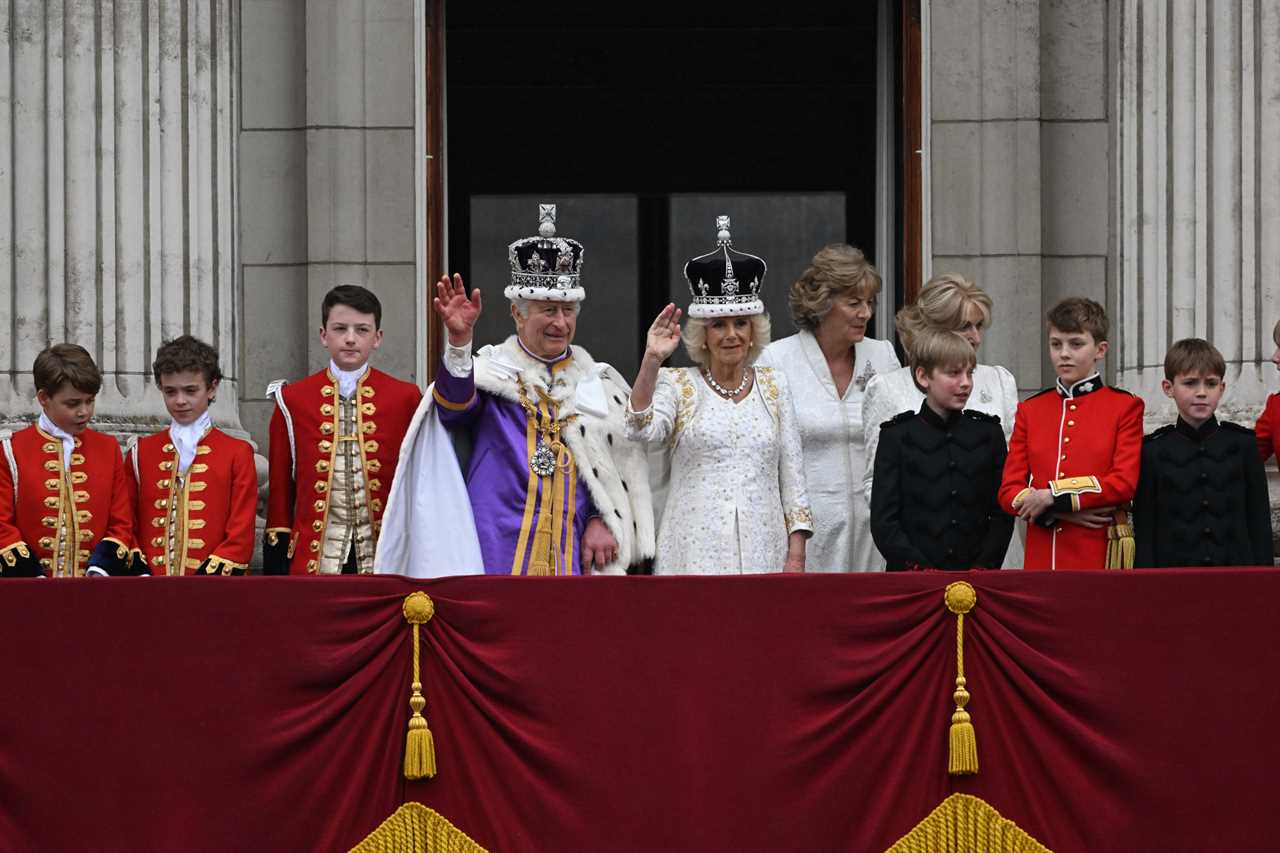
68 440
187 437
347 379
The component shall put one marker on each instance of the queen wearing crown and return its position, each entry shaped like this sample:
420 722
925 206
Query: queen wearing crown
737 500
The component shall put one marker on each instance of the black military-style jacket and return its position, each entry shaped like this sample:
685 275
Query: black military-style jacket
934 496
1202 498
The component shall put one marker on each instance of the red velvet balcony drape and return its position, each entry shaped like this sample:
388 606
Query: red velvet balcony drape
1113 711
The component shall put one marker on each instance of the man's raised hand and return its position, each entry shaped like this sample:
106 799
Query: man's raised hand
457 310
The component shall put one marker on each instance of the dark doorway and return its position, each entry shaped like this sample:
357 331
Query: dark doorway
653 117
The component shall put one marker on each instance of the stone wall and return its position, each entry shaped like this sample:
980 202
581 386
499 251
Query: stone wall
326 181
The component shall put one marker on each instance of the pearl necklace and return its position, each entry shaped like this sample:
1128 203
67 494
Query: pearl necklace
725 392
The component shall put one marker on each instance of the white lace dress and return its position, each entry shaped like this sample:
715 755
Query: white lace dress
832 435
994 392
737 482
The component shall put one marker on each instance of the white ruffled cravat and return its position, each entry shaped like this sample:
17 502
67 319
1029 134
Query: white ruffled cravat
68 440
347 379
187 437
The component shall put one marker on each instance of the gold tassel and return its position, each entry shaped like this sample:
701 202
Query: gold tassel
1121 548
960 598
420 748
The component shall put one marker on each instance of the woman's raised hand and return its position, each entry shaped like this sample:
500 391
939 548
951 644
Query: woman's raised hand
664 334
457 310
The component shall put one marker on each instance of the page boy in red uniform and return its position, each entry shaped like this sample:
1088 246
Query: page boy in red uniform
1074 455
64 497
1268 426
335 441
195 487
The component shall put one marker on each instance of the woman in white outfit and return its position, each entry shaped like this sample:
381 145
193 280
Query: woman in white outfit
737 498
828 364
947 303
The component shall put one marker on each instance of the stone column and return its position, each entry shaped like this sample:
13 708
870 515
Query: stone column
1198 219
1197 157
117 212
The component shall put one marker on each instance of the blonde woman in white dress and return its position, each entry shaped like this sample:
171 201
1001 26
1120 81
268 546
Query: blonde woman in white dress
828 364
737 500
946 303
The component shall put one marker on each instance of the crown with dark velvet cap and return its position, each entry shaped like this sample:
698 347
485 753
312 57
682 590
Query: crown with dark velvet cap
546 267
725 282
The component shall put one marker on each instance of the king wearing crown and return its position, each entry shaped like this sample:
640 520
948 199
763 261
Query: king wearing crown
554 488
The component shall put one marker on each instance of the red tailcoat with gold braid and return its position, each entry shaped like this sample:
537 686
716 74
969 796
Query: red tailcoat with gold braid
1084 444
60 514
305 441
200 523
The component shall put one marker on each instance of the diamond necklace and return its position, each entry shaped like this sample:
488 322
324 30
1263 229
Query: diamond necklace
725 392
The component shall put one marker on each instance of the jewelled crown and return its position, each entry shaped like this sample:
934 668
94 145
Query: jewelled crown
725 282
545 267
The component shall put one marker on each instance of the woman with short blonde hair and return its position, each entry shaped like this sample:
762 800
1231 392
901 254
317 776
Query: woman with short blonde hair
737 500
947 303
828 364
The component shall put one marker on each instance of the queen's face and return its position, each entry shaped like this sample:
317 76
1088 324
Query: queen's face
728 341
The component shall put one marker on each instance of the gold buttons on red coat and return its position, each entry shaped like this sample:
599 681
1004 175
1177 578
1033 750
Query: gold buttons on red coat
52 502
50 447
77 459
166 465
375 484
371 447
168 448
325 446
322 466
326 391
318 506
374 466
1073 407
314 545
1071 423
51 465
327 410
195 506
321 486
162 503
366 391
327 428
80 497
53 485
376 505
368 427
163 484
312 566
367 409
317 525
78 477
1066 439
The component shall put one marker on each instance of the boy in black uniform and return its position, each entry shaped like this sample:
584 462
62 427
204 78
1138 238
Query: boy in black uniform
1202 494
937 471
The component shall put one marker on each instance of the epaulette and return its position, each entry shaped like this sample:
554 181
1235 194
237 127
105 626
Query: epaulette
1121 390
982 416
1236 427
1052 388
1164 430
900 418
275 386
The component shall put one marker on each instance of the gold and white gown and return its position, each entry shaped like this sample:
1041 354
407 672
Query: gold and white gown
737 481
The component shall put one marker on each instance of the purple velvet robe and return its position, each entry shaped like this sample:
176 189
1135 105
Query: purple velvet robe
498 479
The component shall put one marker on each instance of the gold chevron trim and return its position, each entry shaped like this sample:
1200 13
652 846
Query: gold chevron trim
963 823
414 828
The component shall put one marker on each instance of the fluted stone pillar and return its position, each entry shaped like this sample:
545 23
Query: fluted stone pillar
116 194
1198 160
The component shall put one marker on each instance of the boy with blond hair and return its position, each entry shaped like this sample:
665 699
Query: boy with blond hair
937 470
